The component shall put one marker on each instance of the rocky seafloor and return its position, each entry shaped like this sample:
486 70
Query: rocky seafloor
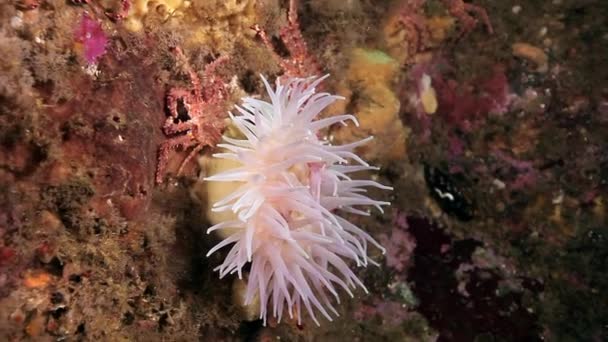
491 124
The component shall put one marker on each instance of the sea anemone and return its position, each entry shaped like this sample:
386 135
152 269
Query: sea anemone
294 186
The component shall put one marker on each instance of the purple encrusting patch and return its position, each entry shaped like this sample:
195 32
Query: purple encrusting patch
400 245
91 35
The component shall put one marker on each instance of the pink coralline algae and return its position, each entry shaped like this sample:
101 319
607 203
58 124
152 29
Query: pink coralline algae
467 106
391 312
300 62
462 11
204 103
456 146
94 40
400 245
526 175
289 210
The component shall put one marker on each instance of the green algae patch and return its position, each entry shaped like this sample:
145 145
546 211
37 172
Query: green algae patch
377 56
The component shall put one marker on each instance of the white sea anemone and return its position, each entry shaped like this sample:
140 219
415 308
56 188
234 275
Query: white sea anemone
287 210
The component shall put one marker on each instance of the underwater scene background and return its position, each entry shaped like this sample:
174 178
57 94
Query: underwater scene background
488 170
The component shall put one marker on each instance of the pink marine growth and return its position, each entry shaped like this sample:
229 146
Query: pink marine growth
526 174
300 62
196 115
468 105
412 21
94 40
462 11
290 224
399 245
392 313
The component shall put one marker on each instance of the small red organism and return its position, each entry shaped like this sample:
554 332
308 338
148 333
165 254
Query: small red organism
26 5
6 255
461 10
300 62
45 252
410 26
121 13
196 114
114 15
